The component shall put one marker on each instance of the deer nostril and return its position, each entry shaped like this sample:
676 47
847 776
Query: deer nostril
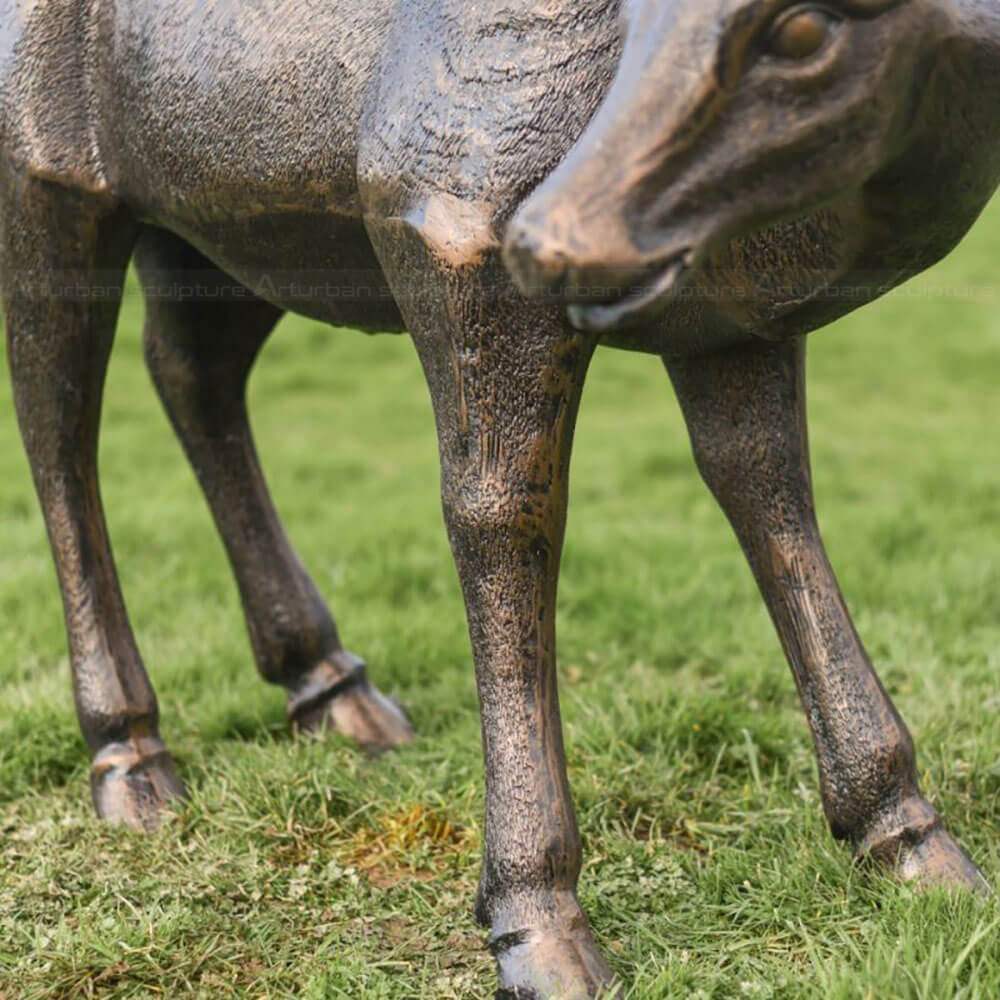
537 265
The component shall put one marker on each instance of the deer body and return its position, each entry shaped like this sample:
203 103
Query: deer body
705 180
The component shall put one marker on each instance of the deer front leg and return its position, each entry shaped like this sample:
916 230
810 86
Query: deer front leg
505 382
745 411
504 492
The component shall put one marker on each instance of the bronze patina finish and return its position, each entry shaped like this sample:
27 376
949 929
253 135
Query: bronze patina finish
698 179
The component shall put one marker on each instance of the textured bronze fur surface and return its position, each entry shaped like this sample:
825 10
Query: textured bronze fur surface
512 184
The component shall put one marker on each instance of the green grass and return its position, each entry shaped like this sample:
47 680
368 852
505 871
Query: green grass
301 869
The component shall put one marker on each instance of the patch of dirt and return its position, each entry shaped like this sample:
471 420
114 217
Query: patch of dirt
414 844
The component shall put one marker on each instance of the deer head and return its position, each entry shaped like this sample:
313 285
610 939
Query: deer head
727 117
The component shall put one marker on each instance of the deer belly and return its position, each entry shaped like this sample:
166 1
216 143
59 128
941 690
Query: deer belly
319 266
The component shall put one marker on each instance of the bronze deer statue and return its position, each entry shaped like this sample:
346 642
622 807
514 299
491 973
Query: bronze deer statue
512 184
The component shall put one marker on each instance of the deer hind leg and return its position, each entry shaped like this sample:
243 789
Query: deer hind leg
200 351
62 259
745 410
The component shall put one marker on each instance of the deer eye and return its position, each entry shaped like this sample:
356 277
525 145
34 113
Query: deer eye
801 32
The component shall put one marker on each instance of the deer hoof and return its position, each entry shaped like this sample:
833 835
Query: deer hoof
336 695
937 861
135 783
914 844
560 962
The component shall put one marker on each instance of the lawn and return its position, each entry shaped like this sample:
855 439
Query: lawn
303 869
